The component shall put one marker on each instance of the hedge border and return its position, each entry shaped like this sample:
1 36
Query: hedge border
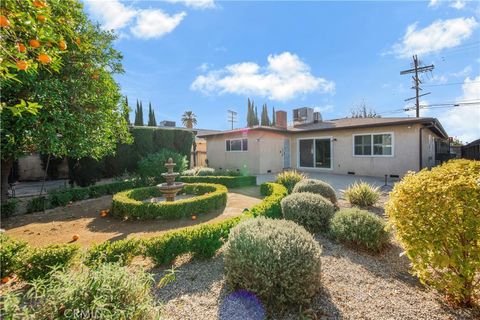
228 181
202 240
129 205
63 197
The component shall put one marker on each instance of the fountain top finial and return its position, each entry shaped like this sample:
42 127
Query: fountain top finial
170 160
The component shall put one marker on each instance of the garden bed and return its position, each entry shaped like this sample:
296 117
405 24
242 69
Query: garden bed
130 204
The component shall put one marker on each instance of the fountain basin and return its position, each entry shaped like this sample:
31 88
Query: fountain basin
169 191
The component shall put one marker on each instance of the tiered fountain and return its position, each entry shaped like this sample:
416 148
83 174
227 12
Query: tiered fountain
170 188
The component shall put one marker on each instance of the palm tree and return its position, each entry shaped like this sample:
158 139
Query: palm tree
189 119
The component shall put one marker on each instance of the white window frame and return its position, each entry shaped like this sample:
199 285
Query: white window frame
314 152
241 143
371 155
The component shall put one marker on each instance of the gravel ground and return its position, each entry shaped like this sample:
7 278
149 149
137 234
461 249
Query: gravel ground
356 285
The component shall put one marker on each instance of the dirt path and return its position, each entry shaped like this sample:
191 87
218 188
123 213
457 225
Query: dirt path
60 224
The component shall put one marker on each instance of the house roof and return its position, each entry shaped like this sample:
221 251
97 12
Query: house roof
347 123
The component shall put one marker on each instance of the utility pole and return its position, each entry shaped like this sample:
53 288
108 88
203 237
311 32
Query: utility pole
232 117
416 81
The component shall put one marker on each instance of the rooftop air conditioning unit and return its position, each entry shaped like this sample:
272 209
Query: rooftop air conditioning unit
302 115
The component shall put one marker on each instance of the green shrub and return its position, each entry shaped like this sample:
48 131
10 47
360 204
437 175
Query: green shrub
318 187
10 252
108 292
199 171
290 178
9 207
228 181
309 210
130 204
38 204
120 251
436 218
39 262
153 165
277 260
362 194
60 199
359 228
270 205
202 240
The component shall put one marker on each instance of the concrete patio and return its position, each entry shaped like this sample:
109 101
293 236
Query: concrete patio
338 181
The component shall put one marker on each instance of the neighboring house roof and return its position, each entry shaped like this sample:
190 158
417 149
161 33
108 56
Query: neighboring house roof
347 123
473 143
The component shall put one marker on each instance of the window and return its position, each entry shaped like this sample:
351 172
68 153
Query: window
373 144
315 153
236 145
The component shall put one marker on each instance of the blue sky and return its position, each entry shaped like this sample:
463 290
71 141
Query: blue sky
209 56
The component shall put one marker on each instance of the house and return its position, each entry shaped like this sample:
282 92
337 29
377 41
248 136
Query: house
360 146
469 151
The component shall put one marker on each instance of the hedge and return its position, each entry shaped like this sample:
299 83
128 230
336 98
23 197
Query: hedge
63 197
130 205
204 240
228 181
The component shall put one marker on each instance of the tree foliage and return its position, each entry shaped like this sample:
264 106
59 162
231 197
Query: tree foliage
79 107
189 119
152 122
362 111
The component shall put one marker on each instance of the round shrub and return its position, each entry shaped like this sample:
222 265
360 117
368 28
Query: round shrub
316 186
309 210
362 194
359 228
290 178
436 215
10 252
277 260
153 165
107 292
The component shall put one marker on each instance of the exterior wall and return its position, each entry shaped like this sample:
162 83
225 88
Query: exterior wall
405 151
30 168
428 148
264 154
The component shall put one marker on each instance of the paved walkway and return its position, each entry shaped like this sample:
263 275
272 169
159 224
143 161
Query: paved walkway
338 181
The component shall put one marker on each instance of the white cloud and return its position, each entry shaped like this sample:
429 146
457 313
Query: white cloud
112 14
149 23
464 121
204 66
197 4
439 35
155 23
324 108
433 3
458 4
285 77
462 73
413 112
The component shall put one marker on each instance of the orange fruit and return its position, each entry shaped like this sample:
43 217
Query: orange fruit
75 237
41 18
95 75
21 47
103 213
77 41
44 58
39 4
34 43
22 65
62 45
194 217
4 22
5 279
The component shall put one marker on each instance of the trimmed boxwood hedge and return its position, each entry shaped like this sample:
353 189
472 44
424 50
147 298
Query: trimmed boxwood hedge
205 239
63 197
228 181
130 205
202 240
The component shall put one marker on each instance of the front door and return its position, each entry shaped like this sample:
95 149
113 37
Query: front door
286 153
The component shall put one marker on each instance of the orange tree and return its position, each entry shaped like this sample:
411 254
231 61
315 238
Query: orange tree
59 96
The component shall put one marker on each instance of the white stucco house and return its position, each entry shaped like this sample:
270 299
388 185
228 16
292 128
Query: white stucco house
357 146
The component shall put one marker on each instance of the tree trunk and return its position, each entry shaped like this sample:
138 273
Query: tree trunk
6 168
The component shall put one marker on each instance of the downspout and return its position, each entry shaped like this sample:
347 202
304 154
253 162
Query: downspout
420 158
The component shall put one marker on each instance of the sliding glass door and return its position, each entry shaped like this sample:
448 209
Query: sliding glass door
315 153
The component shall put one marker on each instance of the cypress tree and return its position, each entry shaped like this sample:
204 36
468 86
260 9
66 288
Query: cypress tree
151 116
137 115
263 118
256 121
140 112
274 118
127 111
249 113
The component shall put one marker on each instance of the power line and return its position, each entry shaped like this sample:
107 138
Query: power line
232 117
449 84
416 80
